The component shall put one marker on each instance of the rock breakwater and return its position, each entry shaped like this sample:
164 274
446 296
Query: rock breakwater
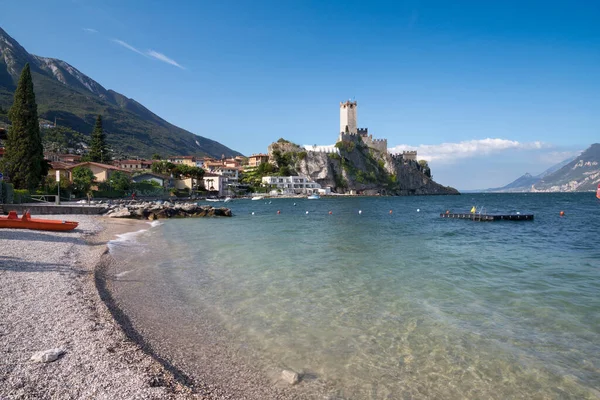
162 210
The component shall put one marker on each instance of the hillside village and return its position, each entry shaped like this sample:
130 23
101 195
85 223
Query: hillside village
220 178
357 164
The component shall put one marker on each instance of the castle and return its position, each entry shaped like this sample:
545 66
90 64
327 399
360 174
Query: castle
349 130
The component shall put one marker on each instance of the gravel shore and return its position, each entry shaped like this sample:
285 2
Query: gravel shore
48 300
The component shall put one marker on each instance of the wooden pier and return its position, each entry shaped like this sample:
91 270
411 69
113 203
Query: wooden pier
489 217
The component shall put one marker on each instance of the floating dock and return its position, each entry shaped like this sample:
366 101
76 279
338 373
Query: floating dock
489 217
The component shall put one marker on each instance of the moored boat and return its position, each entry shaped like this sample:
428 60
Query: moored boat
314 197
26 222
257 197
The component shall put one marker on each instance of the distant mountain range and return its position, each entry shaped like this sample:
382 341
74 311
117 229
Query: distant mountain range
74 100
577 174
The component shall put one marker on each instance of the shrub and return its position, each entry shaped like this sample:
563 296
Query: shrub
6 193
22 196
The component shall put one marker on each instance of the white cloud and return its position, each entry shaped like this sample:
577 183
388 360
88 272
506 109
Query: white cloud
163 58
149 53
449 152
90 30
128 46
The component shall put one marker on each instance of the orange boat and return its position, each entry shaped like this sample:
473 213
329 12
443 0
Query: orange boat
26 222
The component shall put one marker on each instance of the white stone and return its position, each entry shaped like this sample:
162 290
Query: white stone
290 377
119 213
47 356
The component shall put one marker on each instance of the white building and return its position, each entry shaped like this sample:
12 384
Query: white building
292 184
214 183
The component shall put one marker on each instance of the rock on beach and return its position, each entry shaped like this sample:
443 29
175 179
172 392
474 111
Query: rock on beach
290 377
46 356
157 210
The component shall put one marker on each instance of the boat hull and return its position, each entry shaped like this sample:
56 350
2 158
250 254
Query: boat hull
37 224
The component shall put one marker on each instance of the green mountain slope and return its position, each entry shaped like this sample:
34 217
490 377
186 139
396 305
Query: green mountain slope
73 99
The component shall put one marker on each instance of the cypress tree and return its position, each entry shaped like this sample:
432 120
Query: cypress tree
99 150
23 162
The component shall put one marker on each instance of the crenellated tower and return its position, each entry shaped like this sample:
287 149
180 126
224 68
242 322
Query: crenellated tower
348 117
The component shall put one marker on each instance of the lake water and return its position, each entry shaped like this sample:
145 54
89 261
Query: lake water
383 305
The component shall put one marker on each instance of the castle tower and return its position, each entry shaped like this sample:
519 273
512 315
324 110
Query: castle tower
348 117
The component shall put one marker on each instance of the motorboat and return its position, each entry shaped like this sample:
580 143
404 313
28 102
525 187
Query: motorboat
228 199
314 197
258 197
26 222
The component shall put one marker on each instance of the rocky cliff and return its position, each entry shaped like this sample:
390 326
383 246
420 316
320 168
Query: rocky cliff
357 168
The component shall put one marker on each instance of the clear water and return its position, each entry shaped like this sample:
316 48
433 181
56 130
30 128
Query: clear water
399 305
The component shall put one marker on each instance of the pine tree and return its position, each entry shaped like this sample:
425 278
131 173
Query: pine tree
23 162
99 150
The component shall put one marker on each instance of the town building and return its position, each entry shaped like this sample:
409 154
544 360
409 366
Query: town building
102 172
62 168
134 165
151 177
214 183
62 157
256 159
291 184
185 160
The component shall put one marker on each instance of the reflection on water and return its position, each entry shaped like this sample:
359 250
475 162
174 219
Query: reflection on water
401 305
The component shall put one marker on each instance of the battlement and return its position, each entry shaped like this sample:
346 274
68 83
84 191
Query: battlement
363 131
348 103
410 155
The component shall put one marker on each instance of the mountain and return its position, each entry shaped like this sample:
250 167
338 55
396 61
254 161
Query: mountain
73 99
580 175
576 174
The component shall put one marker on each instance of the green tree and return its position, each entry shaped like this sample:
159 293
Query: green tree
23 162
83 179
156 156
99 150
163 167
425 168
120 181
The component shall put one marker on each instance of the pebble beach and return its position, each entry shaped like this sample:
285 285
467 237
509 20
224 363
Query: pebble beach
49 300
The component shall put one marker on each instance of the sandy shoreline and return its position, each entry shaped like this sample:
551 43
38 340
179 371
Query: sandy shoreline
189 342
48 299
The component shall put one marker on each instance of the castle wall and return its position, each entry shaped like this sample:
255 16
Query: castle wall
377 144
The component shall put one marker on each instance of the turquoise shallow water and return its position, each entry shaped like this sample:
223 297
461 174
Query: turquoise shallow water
400 305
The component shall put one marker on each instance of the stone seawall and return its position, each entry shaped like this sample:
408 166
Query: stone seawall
42 209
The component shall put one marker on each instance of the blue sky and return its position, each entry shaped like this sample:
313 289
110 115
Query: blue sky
486 91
